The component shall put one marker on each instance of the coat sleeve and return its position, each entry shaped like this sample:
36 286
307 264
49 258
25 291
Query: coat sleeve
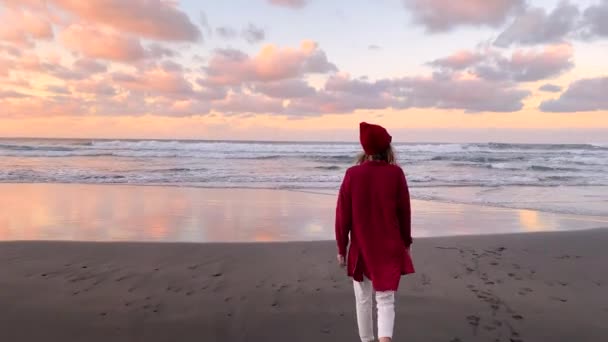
343 215
404 210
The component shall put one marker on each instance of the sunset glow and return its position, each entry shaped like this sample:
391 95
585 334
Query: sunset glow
506 70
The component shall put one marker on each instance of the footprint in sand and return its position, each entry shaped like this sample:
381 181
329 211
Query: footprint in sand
563 300
525 290
473 320
426 280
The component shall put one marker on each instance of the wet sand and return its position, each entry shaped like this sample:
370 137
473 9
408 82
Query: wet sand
86 212
519 287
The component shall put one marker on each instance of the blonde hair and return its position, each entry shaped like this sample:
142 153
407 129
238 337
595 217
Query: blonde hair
387 156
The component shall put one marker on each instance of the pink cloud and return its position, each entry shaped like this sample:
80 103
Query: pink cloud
98 88
232 67
11 94
524 65
458 61
157 82
153 19
343 94
441 15
95 43
22 26
90 66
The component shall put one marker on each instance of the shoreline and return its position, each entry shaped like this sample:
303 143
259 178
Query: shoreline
515 287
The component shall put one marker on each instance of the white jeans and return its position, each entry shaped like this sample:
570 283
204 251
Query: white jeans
385 302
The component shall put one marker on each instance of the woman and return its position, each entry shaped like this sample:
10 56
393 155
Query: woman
374 214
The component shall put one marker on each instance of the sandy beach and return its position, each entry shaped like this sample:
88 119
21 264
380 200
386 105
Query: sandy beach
259 265
520 287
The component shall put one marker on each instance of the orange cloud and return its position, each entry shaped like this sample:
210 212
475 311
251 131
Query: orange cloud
21 26
96 43
230 67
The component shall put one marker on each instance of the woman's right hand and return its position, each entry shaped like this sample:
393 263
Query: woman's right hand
341 260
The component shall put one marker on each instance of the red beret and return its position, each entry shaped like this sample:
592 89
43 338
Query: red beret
374 139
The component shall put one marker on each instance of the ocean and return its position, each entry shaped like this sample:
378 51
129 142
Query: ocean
557 178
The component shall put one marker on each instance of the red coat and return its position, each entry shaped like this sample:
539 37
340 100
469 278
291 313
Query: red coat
374 207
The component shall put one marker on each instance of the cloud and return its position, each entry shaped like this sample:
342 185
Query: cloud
95 43
171 66
529 66
289 3
581 96
10 50
22 27
90 66
58 89
157 82
343 94
441 16
536 26
97 88
226 32
253 34
521 66
551 88
459 60
596 19
285 89
205 23
470 95
239 103
158 51
232 67
11 94
152 19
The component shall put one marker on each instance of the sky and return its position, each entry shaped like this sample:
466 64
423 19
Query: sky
428 70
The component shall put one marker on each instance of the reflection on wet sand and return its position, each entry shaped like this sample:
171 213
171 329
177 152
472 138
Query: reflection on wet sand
150 213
